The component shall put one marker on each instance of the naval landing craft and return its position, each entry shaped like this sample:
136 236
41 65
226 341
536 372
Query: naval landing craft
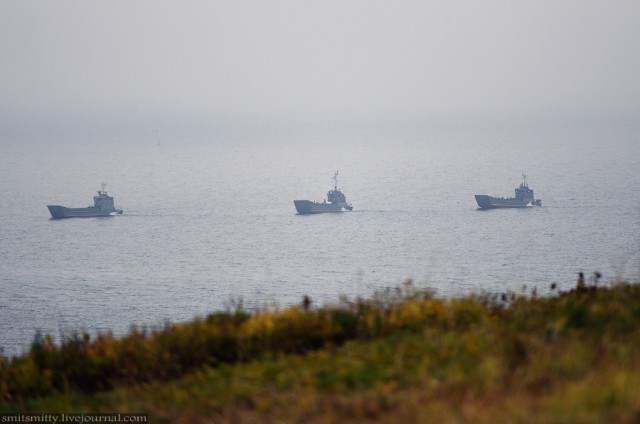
524 197
335 202
102 206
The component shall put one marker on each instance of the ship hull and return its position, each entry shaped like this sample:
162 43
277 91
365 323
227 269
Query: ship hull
59 212
488 202
307 207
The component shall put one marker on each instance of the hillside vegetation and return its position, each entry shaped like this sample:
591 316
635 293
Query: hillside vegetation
401 356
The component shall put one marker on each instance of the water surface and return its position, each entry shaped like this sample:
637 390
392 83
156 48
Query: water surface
209 219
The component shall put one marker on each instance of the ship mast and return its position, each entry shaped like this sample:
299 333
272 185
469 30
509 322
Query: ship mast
335 181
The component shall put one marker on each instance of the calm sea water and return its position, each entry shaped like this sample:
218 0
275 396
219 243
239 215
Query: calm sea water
209 219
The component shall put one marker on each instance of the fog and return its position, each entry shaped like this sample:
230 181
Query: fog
179 61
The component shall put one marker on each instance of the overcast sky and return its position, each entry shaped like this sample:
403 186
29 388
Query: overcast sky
328 59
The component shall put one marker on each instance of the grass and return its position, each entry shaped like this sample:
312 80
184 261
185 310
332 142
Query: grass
401 356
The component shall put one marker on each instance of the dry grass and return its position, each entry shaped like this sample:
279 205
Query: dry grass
402 356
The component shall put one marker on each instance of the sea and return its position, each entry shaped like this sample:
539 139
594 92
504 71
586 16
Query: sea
209 222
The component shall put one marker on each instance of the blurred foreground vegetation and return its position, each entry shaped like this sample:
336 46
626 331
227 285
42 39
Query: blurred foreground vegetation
401 356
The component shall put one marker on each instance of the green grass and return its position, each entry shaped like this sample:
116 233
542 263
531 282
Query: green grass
402 356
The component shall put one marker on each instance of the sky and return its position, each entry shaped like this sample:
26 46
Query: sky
117 61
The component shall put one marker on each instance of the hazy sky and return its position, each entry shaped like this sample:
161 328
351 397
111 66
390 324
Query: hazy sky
329 59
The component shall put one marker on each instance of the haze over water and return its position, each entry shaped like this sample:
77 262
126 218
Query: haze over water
209 220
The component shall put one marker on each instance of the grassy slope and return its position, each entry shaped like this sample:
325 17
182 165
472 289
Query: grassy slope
571 358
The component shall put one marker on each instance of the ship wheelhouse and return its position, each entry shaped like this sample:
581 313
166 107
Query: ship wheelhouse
336 196
103 201
524 193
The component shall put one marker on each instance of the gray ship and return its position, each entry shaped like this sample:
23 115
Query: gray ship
102 206
335 202
524 197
